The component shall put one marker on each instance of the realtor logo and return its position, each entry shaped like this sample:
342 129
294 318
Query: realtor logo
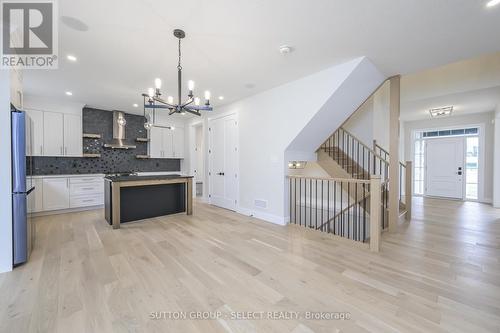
29 34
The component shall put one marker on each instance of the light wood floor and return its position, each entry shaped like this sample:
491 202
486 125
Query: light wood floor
439 273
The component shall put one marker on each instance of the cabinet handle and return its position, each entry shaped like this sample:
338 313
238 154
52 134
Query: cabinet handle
41 150
87 188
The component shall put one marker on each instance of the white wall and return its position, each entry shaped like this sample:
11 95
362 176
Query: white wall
290 122
370 122
62 105
496 163
486 153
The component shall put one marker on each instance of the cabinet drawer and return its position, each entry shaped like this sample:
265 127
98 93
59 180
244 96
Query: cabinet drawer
86 188
86 200
85 180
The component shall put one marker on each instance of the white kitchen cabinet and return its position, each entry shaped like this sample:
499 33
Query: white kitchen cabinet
73 145
156 142
178 143
161 142
168 144
35 198
55 193
53 134
34 133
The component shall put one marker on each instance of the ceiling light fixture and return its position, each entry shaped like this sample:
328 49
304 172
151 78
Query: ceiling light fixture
221 98
285 49
153 99
441 112
493 3
69 93
71 57
135 105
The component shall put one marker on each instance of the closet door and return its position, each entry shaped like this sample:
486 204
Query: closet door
223 162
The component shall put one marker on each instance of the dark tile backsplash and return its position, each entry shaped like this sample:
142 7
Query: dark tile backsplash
112 160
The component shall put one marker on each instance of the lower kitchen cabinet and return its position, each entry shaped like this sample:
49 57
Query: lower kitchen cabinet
55 193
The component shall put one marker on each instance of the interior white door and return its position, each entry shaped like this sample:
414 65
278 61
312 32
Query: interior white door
223 152
445 172
53 138
73 135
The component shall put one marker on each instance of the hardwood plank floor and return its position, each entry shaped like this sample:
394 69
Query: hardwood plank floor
439 273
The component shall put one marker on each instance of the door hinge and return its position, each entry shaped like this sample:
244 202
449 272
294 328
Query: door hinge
210 151
209 128
209 173
209 195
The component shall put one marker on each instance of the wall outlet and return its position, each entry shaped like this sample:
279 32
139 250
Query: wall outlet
260 203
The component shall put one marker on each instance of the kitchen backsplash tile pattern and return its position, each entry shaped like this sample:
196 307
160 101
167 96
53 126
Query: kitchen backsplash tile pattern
97 121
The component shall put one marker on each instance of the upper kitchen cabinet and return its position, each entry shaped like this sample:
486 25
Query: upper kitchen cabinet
34 133
166 143
53 134
178 143
73 141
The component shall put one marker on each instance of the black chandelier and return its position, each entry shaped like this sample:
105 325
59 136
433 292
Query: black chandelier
153 99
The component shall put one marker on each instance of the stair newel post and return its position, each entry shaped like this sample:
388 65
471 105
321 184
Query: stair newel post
375 212
394 114
408 189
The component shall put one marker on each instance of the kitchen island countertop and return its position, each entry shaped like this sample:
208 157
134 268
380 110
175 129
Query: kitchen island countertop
144 177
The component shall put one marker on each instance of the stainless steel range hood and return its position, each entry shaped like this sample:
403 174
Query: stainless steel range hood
118 141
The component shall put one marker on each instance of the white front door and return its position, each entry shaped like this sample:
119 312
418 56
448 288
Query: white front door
445 167
223 152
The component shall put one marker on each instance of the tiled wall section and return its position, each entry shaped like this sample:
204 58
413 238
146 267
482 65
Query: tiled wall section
112 160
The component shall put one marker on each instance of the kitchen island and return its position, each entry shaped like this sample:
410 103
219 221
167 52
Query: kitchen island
134 197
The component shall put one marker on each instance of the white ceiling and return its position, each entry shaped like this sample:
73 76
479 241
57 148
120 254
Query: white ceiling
233 44
470 86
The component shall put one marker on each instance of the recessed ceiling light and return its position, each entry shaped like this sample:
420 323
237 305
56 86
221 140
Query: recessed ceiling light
221 97
285 49
69 93
493 3
441 112
71 57
135 105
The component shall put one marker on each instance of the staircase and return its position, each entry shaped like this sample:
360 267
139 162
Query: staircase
359 161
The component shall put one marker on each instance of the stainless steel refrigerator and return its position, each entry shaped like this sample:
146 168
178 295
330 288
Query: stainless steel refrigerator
23 228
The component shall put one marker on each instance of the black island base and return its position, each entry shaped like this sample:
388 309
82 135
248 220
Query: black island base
132 198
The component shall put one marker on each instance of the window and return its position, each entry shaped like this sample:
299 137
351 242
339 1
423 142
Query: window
419 165
471 168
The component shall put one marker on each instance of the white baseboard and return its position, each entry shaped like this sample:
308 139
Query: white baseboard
275 219
64 211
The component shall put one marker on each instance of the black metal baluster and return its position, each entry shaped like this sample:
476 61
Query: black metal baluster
322 189
300 201
316 206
